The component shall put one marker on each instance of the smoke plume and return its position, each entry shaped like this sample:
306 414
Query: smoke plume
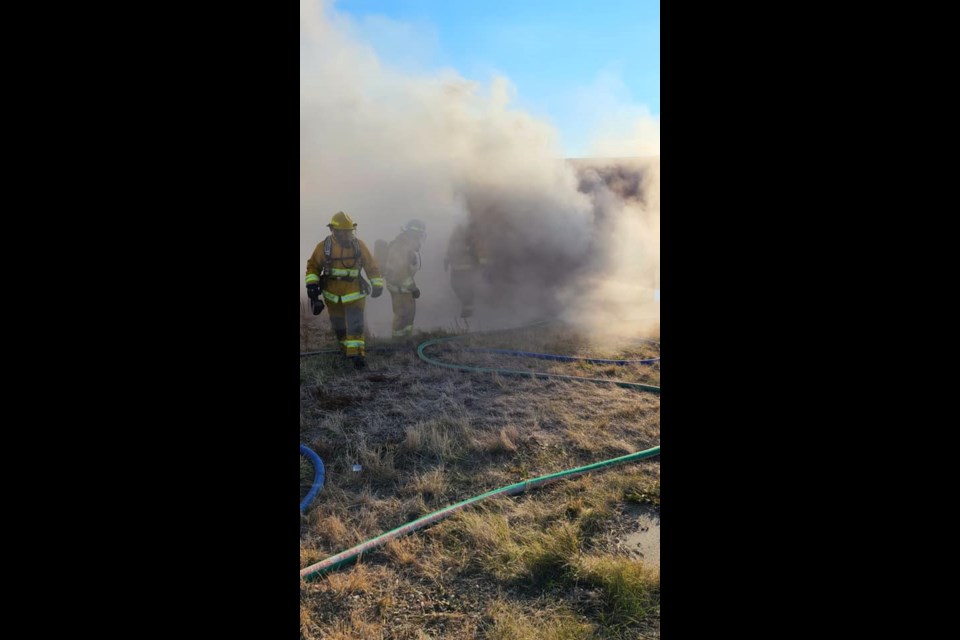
577 239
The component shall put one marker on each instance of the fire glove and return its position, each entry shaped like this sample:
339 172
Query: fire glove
316 303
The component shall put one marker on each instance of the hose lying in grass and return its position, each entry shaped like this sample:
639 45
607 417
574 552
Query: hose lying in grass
318 477
559 358
533 325
308 354
506 352
350 555
527 374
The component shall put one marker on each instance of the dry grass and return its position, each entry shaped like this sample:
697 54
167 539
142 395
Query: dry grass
510 621
438 439
404 551
503 441
430 485
537 565
344 583
631 591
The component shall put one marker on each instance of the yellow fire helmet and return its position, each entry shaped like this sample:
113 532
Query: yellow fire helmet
342 221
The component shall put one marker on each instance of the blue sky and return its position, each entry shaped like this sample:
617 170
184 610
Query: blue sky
572 63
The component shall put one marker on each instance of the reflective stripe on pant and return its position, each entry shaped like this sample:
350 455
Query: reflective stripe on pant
404 311
347 323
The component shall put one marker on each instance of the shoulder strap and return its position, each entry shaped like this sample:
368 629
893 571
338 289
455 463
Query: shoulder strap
356 252
327 252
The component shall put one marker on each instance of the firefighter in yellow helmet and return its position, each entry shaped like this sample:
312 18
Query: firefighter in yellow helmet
402 263
465 259
333 276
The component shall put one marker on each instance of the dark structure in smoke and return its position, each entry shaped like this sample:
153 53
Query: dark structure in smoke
617 187
623 178
534 258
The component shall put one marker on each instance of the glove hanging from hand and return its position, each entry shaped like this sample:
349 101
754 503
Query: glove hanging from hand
316 302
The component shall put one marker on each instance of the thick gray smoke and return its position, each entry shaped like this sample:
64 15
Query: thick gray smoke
618 291
579 239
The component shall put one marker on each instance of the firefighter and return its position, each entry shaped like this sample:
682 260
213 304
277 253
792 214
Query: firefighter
465 258
333 276
402 263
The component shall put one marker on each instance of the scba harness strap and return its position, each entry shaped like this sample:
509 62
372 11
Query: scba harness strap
348 275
